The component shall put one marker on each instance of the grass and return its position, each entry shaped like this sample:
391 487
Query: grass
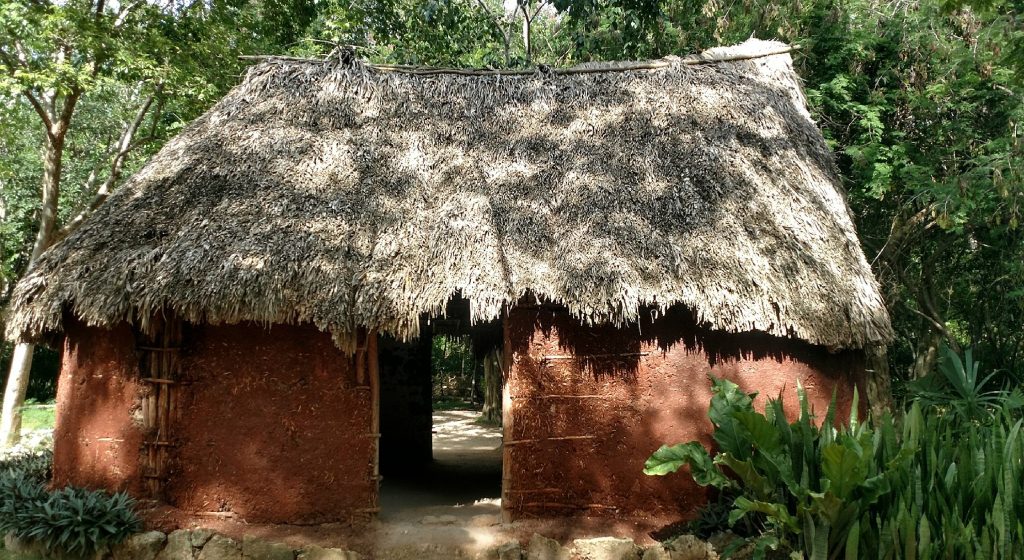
449 403
37 417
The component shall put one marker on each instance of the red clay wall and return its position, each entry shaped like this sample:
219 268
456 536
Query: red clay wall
273 425
588 405
97 436
277 427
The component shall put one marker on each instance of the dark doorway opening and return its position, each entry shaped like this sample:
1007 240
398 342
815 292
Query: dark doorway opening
440 458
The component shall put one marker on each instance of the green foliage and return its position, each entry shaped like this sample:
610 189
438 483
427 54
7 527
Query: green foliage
35 466
956 386
70 521
455 372
804 486
178 56
935 486
960 497
74 520
426 32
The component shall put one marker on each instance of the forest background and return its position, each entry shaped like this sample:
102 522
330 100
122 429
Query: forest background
922 102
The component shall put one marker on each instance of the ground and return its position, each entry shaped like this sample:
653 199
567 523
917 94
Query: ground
456 502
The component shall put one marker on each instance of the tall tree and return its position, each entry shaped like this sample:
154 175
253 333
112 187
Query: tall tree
108 80
923 103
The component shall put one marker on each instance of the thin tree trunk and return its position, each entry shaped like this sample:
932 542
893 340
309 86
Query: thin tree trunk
927 353
21 361
14 396
527 46
492 387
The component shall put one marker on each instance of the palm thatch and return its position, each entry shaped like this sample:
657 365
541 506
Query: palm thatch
348 195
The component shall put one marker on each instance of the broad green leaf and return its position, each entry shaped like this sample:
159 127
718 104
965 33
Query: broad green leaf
843 468
669 459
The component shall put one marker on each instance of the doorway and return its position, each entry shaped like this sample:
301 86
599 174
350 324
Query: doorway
441 455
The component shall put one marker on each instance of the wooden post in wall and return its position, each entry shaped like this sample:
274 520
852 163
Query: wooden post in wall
374 371
506 423
367 376
159 350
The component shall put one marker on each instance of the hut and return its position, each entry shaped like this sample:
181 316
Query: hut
227 317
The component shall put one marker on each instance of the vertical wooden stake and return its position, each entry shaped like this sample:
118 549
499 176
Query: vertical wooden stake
160 367
374 374
506 423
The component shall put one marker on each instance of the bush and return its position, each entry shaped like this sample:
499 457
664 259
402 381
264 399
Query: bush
799 486
70 521
36 464
940 485
956 387
962 495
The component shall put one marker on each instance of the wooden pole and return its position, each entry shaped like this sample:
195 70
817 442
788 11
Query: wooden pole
507 425
607 67
371 359
159 368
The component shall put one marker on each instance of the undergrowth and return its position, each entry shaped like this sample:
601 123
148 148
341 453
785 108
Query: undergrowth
941 482
70 522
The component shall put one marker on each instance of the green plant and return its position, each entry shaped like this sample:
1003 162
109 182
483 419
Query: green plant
804 486
956 385
938 485
961 496
70 521
79 521
35 465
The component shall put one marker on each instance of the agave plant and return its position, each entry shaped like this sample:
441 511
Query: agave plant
957 386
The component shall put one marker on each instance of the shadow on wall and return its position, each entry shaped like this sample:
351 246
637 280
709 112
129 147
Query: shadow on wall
96 439
606 350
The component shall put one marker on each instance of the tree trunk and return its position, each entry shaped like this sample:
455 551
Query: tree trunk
492 387
14 396
21 361
927 353
527 39
878 382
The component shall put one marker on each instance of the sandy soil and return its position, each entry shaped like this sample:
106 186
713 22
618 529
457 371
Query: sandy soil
453 505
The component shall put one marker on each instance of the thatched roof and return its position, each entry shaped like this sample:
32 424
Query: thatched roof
346 195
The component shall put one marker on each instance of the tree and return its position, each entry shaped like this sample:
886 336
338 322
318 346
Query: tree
109 81
923 103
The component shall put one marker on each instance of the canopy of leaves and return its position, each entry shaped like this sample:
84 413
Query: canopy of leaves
922 101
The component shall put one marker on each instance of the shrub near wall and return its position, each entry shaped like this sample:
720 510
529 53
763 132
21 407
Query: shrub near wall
67 523
939 485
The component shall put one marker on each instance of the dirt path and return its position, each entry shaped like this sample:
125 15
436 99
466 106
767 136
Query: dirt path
453 508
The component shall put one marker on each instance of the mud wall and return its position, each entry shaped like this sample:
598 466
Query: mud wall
405 401
276 426
98 435
586 406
